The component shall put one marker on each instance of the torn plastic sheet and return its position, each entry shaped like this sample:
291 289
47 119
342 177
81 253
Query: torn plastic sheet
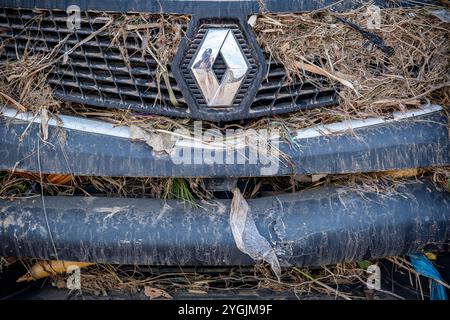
246 235
159 142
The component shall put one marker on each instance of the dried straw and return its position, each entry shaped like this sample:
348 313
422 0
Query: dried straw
371 82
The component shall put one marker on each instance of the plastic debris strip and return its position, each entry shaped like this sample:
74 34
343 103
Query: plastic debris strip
157 141
424 267
246 235
376 40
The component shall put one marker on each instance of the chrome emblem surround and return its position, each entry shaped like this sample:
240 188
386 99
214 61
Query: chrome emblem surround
219 41
204 77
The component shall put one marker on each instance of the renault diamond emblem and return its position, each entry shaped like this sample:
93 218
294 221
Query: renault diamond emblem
219 42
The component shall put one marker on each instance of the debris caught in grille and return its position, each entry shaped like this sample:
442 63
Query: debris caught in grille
100 72
279 94
398 65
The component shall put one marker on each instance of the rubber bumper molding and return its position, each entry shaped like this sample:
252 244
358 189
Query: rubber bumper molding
420 140
314 227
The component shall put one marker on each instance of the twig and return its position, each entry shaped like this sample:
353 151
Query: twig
322 284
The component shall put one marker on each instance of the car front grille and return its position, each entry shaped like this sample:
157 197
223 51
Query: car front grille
100 73
279 94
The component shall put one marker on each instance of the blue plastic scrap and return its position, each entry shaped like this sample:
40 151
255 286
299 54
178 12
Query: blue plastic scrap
425 267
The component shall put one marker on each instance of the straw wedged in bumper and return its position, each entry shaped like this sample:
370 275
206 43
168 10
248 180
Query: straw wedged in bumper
314 227
86 147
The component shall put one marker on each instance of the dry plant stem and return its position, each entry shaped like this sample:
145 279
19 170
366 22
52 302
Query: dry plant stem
161 48
322 284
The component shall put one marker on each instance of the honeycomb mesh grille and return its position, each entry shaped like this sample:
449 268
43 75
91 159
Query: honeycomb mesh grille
97 72
102 74
279 94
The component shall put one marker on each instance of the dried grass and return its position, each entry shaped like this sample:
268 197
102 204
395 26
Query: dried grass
340 281
17 185
326 280
22 84
441 177
159 35
20 185
371 82
23 79
382 183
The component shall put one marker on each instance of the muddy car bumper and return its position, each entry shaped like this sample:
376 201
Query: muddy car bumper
315 227
419 138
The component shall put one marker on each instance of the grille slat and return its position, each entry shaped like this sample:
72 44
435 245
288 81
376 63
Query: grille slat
280 94
71 41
